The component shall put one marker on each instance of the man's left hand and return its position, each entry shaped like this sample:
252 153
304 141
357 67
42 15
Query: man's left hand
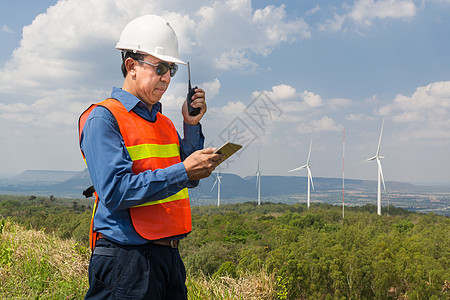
198 101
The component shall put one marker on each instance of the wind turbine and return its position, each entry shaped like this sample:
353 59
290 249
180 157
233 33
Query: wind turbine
258 182
343 173
378 158
218 181
308 167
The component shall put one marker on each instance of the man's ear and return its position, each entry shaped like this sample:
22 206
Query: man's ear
130 65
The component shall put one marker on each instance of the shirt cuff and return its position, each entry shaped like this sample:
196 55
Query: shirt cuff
177 175
194 134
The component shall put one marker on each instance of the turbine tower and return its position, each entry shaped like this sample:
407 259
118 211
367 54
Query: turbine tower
343 174
378 158
308 167
218 181
258 182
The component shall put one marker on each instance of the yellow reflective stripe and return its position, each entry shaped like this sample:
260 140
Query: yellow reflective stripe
93 211
183 194
153 150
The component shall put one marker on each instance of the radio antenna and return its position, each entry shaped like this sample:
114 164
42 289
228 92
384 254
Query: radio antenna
189 76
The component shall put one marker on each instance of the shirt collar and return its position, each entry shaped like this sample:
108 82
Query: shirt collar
129 101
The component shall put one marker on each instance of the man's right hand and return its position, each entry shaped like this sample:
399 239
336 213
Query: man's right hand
201 163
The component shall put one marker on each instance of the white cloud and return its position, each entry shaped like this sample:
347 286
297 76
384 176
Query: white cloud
66 60
176 94
173 100
53 110
365 12
6 29
287 96
271 21
323 124
283 91
13 108
62 46
314 10
333 25
431 102
231 32
301 102
233 59
306 108
212 89
71 46
355 117
425 112
293 105
337 103
296 105
230 110
73 42
43 134
311 99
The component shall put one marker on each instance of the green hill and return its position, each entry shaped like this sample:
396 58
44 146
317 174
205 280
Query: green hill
36 265
244 251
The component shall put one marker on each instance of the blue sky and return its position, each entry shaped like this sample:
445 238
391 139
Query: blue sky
277 73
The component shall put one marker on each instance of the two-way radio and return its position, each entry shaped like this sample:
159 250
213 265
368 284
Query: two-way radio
191 91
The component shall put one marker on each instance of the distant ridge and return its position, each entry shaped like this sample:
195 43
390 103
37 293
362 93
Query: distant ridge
44 175
72 184
47 182
236 186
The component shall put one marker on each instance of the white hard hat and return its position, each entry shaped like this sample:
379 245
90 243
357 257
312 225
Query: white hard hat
150 34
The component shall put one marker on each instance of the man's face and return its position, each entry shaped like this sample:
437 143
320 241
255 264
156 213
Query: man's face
149 86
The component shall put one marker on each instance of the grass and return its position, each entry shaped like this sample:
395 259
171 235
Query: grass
250 286
38 265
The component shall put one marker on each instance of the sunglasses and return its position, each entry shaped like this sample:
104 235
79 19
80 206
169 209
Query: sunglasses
162 68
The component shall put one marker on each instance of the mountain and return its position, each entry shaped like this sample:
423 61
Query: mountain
72 183
287 189
75 185
47 182
233 186
43 176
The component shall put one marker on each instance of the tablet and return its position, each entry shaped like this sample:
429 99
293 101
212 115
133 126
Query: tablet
227 150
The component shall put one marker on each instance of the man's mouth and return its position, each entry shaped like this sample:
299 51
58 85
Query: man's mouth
161 88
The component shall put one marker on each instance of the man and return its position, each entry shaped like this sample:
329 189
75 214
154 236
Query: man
141 170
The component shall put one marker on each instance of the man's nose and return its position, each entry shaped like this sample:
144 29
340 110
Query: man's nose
166 77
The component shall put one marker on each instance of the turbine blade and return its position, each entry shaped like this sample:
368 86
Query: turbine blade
310 177
379 141
369 159
381 173
214 184
299 168
309 153
258 160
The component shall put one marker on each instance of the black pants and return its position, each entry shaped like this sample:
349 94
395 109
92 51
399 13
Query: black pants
149 271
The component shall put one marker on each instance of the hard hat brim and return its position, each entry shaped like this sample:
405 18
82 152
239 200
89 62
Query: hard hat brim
170 59
166 58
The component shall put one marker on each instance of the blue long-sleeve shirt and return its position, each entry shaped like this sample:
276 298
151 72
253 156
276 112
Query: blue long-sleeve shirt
109 166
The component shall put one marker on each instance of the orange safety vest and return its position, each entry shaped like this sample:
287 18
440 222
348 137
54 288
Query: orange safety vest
151 146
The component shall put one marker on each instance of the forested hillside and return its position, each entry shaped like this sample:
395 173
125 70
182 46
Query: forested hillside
315 254
272 251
